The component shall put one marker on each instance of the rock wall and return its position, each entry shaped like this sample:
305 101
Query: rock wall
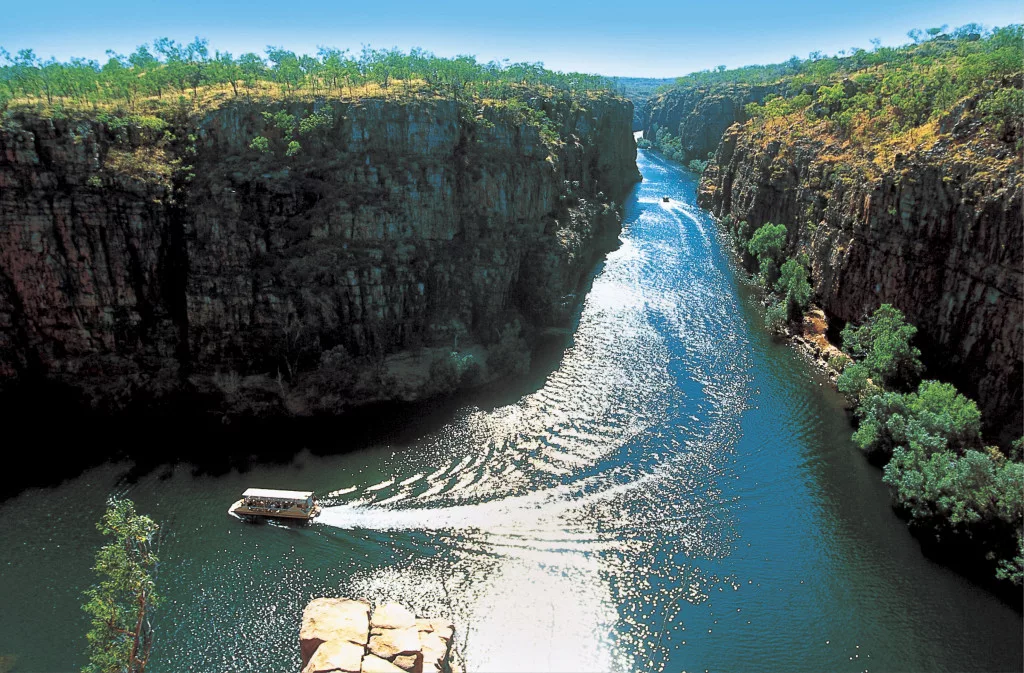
134 270
700 115
938 235
340 635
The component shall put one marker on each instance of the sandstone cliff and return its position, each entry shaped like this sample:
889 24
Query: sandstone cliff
143 260
935 231
700 115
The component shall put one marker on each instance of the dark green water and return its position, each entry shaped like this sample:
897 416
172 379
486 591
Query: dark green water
679 493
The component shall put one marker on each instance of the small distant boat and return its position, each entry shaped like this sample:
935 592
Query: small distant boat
665 199
269 503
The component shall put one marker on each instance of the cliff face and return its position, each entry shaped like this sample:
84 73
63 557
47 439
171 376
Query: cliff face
936 233
700 115
348 272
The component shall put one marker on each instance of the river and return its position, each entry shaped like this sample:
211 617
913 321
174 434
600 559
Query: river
675 491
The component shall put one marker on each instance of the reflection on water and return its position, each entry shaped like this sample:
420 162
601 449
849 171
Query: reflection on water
679 493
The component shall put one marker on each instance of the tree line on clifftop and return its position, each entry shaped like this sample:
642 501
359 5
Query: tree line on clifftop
956 490
172 70
885 94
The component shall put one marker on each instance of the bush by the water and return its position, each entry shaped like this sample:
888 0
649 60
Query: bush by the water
768 245
882 346
794 288
940 472
453 370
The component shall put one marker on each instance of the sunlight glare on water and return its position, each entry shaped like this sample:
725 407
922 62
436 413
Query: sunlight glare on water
676 492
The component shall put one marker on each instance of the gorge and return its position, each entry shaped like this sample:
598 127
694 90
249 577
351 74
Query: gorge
931 226
529 366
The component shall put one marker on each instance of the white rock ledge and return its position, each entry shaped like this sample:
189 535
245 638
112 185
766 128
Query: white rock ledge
339 635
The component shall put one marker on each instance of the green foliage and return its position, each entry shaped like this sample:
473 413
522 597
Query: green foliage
120 603
697 166
795 288
936 417
668 144
1004 110
293 148
767 245
282 121
775 318
260 144
775 106
883 345
855 381
172 66
452 370
970 493
318 121
938 470
885 91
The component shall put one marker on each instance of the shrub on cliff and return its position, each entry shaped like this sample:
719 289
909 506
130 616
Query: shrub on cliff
1004 110
936 417
453 370
882 344
938 470
767 246
975 496
775 318
795 289
119 605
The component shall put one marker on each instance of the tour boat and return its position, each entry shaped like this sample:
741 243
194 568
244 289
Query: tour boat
271 503
665 199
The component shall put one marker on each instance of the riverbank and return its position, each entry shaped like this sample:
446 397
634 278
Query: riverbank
676 482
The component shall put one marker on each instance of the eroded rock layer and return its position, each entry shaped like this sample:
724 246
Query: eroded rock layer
937 233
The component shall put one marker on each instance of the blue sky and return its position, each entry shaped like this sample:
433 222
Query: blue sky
657 38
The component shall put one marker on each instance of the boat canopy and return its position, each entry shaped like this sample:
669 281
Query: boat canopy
274 494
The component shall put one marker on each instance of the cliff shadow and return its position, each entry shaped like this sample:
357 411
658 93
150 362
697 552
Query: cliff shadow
183 429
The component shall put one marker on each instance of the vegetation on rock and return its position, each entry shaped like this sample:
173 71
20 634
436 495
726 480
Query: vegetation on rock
888 97
169 73
883 350
955 489
120 604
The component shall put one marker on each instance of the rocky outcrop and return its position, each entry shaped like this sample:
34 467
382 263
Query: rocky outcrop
341 635
937 234
409 248
699 115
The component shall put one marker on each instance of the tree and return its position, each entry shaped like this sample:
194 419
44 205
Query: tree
883 343
226 69
937 417
795 289
251 67
775 318
196 54
120 604
767 245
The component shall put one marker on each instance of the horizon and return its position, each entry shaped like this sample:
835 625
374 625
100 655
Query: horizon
598 44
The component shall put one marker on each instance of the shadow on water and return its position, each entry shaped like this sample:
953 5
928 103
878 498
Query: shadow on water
183 429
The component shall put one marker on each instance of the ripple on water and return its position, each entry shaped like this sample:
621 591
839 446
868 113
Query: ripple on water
663 501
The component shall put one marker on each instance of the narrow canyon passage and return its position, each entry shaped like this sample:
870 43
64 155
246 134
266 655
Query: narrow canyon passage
678 493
